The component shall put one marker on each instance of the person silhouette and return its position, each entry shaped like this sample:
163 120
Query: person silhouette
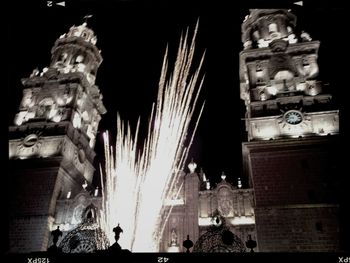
56 234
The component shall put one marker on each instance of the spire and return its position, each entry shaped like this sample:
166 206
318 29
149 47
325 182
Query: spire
239 183
84 185
76 51
262 26
223 176
202 175
192 166
86 18
207 186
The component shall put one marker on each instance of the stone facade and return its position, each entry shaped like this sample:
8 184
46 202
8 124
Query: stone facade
292 202
51 146
292 166
195 210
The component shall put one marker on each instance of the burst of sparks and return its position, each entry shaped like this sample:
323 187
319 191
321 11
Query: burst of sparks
136 185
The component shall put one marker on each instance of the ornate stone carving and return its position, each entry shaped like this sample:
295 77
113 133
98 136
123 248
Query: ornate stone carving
225 204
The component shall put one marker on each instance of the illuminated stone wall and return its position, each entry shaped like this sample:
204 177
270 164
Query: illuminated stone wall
308 228
292 122
195 213
51 144
32 197
296 192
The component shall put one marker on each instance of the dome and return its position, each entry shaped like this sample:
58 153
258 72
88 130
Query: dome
87 237
219 238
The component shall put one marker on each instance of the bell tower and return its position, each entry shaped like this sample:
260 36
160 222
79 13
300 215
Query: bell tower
51 145
292 124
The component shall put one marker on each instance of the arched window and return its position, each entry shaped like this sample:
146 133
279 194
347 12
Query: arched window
63 57
44 107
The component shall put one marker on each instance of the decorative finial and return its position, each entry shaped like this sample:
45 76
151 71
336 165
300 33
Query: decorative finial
86 18
208 185
85 184
204 178
34 73
250 243
117 230
305 36
187 244
239 183
192 166
223 176
96 191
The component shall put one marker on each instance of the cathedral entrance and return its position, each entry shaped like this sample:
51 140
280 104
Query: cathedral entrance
87 237
218 238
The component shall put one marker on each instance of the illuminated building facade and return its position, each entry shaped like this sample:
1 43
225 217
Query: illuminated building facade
51 146
292 125
201 210
291 156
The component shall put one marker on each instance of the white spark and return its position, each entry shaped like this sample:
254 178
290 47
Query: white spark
136 185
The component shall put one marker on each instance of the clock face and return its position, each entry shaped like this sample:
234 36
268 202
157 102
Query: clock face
293 117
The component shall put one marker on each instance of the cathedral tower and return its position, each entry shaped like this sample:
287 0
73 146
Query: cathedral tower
51 145
292 125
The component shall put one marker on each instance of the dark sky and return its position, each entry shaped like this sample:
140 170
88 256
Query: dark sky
133 35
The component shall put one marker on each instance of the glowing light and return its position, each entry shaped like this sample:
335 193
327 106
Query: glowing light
301 86
18 121
173 249
242 220
77 120
272 90
85 184
52 112
20 117
207 185
192 166
138 183
205 221
237 220
263 96
69 194
56 118
96 192
173 202
223 176
264 129
239 183
60 101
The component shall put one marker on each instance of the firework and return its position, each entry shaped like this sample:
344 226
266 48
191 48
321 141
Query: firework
138 182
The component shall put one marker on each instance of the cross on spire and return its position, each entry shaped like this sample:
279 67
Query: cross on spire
86 18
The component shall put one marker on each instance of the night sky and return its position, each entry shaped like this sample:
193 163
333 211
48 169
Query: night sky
133 35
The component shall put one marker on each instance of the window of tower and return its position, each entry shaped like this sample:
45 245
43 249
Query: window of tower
256 35
81 156
77 120
93 71
44 107
63 57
